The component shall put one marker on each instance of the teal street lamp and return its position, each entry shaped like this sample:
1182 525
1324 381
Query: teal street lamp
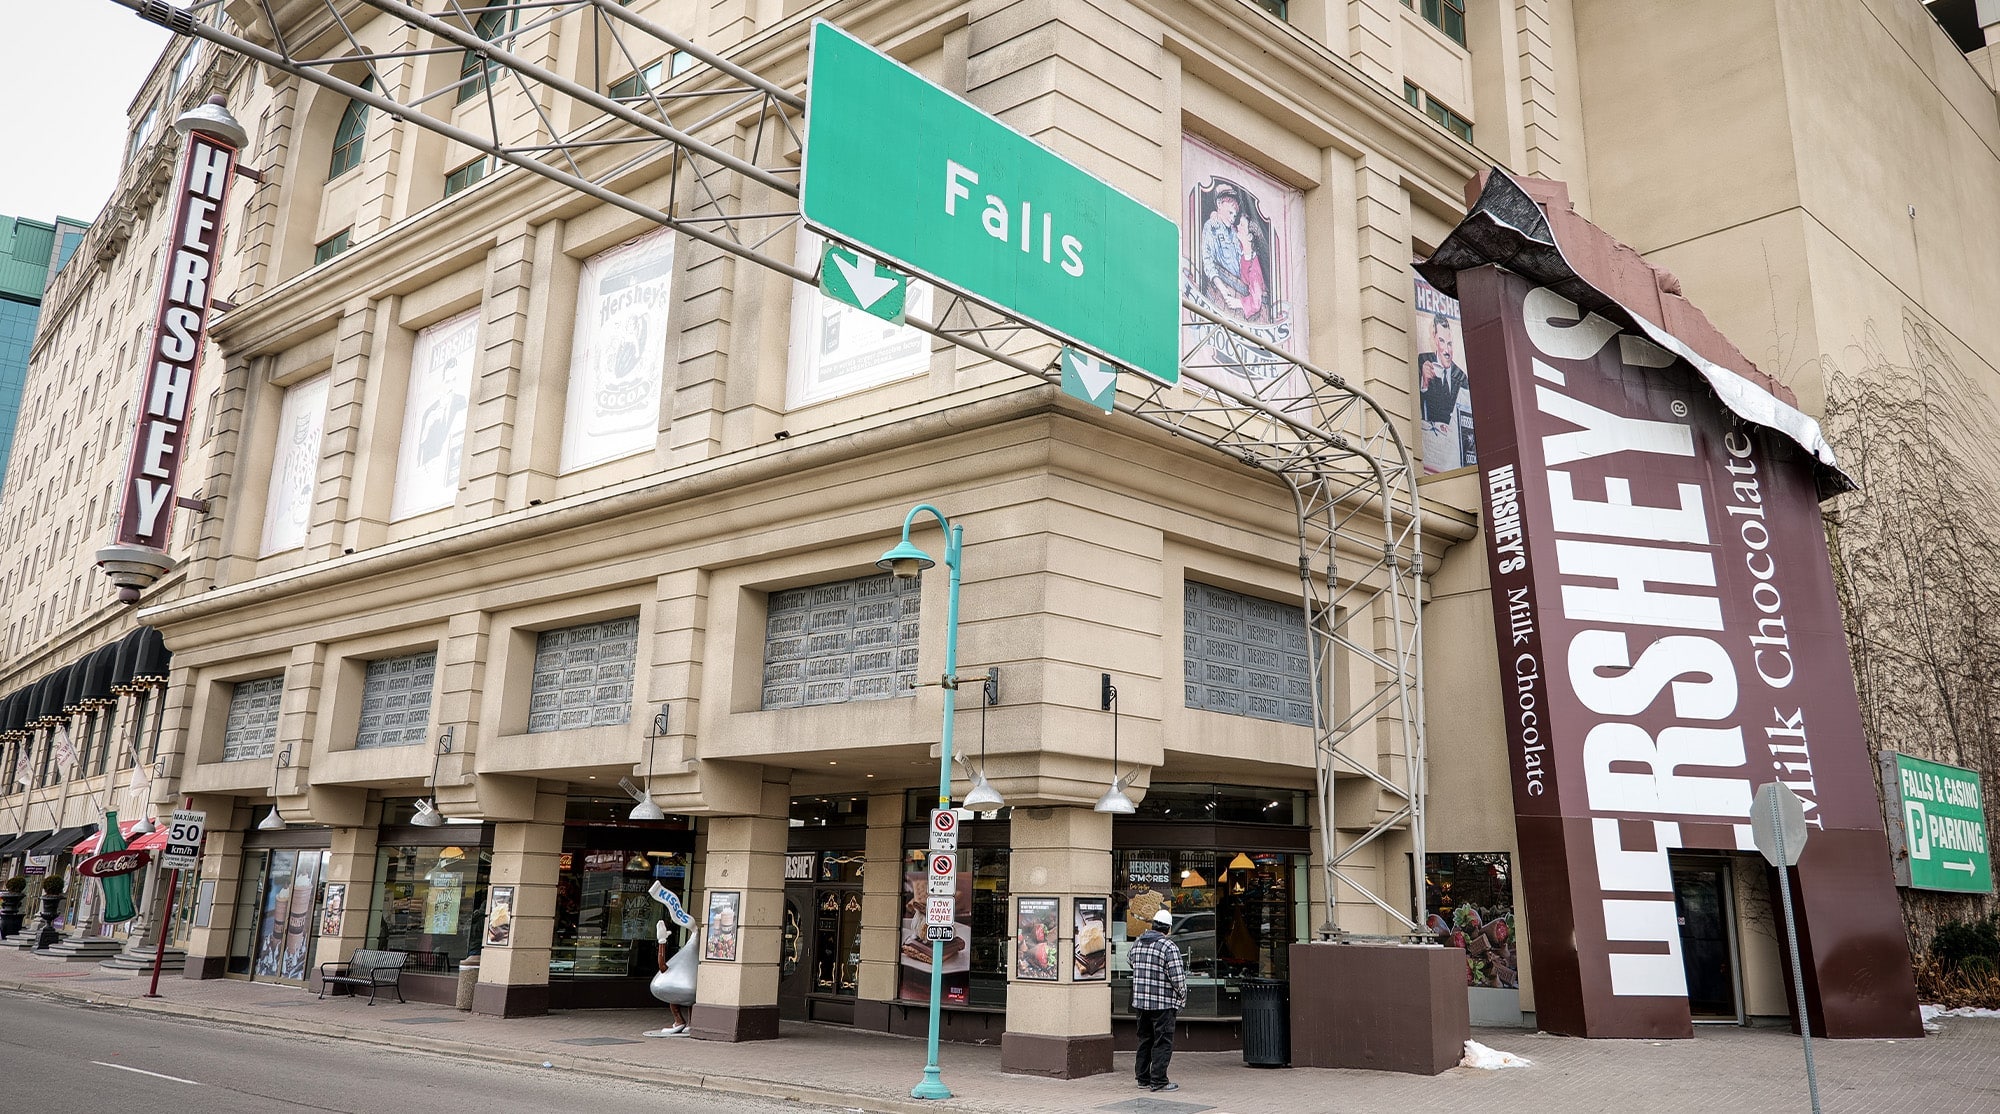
905 562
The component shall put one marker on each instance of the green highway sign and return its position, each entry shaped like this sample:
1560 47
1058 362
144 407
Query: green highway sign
1939 814
854 277
915 175
1086 377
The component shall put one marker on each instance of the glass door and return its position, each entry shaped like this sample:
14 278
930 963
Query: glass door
1702 902
837 942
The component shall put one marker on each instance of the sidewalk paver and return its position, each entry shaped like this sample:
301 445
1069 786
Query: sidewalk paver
1956 1069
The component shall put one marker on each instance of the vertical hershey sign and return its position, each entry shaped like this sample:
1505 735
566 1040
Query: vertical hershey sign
166 386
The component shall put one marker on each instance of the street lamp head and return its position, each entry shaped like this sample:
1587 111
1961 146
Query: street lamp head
1115 802
905 561
273 822
982 797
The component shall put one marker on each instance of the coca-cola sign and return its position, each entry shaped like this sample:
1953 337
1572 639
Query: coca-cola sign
111 864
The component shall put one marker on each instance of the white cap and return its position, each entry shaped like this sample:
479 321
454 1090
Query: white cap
1163 918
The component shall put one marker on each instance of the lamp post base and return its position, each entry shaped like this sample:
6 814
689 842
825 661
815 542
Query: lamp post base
932 1087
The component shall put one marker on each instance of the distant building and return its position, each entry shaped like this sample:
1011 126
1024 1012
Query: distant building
30 252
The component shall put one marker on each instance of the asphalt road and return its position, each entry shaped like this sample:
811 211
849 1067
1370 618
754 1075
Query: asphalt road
61 1057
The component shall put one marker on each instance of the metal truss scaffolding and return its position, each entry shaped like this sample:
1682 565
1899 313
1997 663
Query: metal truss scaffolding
1352 480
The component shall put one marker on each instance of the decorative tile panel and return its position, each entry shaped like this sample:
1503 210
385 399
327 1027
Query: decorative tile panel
583 676
849 640
396 701
252 728
1245 656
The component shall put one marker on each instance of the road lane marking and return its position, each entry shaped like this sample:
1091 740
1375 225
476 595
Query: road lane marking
143 1071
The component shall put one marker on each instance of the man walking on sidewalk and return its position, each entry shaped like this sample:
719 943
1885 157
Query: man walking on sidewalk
1159 990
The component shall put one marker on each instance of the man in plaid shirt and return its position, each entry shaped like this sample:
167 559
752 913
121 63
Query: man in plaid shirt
1159 990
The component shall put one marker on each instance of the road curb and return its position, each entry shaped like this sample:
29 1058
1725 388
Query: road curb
633 1073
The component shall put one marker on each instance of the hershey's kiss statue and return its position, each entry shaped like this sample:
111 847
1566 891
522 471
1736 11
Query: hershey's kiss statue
674 985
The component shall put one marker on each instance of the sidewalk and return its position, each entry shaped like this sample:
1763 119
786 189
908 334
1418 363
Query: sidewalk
1956 1069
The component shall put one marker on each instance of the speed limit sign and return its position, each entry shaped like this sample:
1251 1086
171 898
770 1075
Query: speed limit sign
184 831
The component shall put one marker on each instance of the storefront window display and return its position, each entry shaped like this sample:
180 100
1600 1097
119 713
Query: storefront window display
431 903
1236 915
975 959
605 916
1469 903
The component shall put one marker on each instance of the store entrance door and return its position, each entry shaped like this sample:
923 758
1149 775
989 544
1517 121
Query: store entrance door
277 920
1705 903
794 970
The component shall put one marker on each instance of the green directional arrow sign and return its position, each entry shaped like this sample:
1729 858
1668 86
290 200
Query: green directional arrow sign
1086 377
923 180
856 278
1941 814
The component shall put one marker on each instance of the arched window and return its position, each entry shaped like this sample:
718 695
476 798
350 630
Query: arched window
348 136
474 70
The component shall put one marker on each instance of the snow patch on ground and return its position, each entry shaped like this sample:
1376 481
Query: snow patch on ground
1932 1012
1479 1056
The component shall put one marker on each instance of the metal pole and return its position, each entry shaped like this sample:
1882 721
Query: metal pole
932 1086
166 920
1792 938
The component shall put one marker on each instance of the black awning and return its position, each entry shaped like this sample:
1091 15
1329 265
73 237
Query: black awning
48 698
22 842
62 840
72 690
96 670
154 660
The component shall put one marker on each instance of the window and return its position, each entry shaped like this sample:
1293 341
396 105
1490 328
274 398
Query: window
349 135
849 640
1245 656
431 903
975 961
396 701
583 676
1445 15
465 176
331 246
474 70
605 916
140 133
639 84
1236 914
1429 106
252 727
182 68
1275 7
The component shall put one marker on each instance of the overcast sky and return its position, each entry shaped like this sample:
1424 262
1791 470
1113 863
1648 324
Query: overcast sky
72 69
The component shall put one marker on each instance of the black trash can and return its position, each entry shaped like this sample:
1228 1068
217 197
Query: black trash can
1267 1023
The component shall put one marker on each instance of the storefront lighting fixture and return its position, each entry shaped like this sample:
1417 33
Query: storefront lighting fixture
275 822
1192 879
647 808
905 562
982 797
145 826
427 814
1114 800
1242 862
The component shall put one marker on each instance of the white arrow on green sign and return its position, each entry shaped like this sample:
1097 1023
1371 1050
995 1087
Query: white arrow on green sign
854 277
1086 377
921 179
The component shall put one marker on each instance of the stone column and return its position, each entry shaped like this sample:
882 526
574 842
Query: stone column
514 980
1060 1028
351 864
222 862
738 1000
881 912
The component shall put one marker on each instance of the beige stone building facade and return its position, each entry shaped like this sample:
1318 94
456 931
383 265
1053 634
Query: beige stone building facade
506 495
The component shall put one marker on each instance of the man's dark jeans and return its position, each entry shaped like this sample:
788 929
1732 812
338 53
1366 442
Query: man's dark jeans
1156 1045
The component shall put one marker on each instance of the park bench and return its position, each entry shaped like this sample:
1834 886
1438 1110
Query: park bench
372 969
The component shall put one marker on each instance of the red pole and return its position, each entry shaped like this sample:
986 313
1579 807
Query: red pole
166 920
